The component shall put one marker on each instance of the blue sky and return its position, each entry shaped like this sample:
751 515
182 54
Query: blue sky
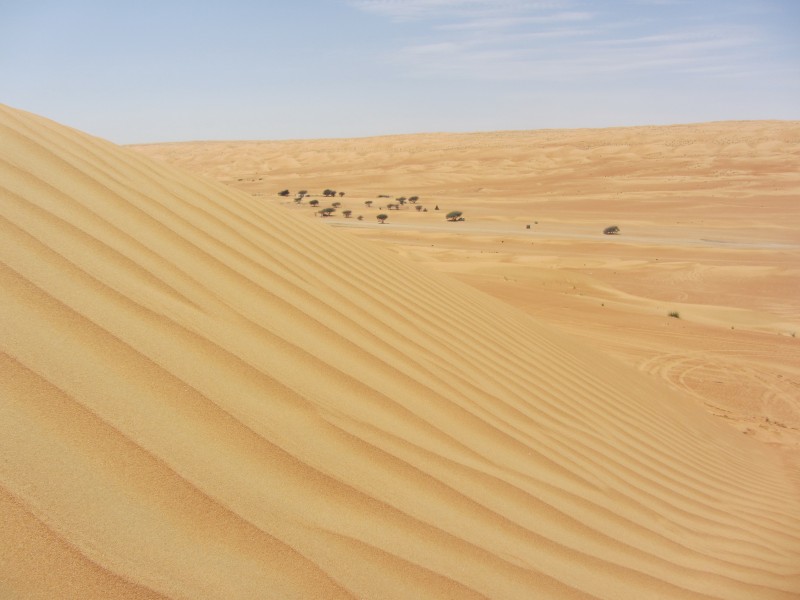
151 71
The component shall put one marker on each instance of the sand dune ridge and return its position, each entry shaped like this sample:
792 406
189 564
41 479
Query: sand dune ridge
206 396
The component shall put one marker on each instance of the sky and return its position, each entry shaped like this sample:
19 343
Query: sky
173 70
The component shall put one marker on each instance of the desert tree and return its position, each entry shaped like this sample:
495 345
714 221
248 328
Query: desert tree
382 217
314 202
336 204
367 203
413 199
611 230
284 193
341 194
419 207
454 215
327 212
347 213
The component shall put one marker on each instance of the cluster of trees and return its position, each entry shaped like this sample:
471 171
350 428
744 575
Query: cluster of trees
455 215
302 193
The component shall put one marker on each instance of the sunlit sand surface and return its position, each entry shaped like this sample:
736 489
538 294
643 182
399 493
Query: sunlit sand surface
208 394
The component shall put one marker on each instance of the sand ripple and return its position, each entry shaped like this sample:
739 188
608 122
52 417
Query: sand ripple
204 396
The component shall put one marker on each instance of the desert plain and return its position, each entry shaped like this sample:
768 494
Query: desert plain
209 390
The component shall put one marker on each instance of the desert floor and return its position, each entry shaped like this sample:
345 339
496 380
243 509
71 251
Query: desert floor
209 390
710 229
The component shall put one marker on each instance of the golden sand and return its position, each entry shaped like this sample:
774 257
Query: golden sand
206 395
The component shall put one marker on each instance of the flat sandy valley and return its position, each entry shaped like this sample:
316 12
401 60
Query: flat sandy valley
709 218
211 391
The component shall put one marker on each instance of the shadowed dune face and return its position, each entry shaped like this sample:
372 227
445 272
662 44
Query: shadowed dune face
206 396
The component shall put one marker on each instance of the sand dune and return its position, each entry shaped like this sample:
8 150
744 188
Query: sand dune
709 224
207 396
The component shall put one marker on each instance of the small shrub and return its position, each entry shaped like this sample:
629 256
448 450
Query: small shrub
674 314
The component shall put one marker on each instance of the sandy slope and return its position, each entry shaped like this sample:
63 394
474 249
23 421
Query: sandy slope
206 396
709 224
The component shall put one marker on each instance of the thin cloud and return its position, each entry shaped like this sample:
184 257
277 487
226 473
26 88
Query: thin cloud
535 40
509 22
434 9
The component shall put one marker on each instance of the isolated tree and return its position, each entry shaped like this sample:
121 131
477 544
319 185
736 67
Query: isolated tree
391 206
341 194
453 215
302 193
327 212
283 193
413 199
418 207
611 230
347 213
401 200
314 202
360 217
382 217
336 204
368 203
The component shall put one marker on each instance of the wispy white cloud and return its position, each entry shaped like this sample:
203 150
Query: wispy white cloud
560 39
434 9
509 22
